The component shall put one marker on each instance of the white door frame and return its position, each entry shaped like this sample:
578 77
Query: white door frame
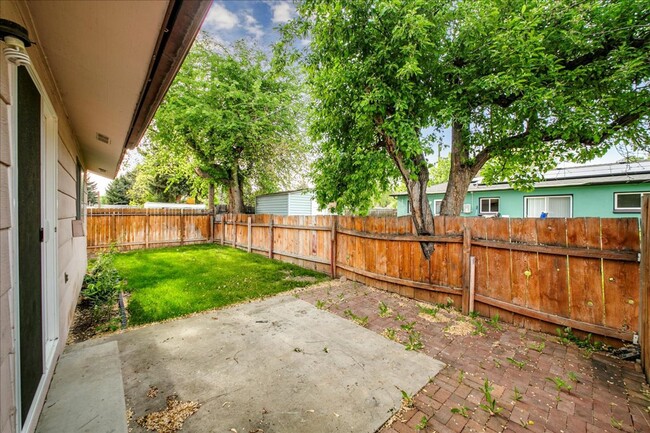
49 218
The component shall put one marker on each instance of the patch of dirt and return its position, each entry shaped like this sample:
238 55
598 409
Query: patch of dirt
88 323
170 419
438 318
301 279
460 328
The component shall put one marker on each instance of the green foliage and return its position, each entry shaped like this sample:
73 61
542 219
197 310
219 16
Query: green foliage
479 328
573 377
427 310
616 423
236 116
566 337
494 322
490 406
102 282
117 192
320 304
390 333
519 364
92 194
517 396
400 318
461 376
361 321
560 384
439 172
414 341
409 326
167 174
461 410
539 347
384 311
525 84
407 399
422 424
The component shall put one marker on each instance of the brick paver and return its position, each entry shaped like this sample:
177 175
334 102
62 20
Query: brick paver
609 395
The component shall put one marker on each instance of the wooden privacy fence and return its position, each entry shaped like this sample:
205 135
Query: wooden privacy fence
581 273
130 229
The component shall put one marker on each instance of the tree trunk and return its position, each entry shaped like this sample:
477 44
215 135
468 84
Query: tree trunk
211 197
463 169
417 190
235 193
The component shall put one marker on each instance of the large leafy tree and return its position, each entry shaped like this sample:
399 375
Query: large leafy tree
524 84
166 176
237 116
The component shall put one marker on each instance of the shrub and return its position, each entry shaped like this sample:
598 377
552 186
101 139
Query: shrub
102 282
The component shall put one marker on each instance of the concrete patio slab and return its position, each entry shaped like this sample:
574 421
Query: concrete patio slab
278 365
86 394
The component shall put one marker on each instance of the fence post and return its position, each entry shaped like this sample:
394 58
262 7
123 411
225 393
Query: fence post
333 235
211 227
271 238
146 229
113 232
222 219
644 295
182 227
467 250
234 228
250 235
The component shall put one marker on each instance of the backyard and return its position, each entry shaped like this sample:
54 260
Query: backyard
166 283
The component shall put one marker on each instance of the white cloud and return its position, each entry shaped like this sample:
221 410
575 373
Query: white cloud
282 12
221 18
253 27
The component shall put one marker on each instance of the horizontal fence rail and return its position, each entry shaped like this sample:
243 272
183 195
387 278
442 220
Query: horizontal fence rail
581 273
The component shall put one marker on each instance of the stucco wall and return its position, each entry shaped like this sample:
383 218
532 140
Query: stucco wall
71 252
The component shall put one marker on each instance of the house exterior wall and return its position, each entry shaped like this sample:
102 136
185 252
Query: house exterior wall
588 200
300 203
71 252
272 204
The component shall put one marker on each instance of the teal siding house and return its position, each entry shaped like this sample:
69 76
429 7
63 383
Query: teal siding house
298 202
605 190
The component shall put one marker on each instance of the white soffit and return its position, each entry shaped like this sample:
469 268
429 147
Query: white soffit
99 53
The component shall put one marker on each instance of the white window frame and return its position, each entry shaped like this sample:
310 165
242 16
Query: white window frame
628 209
408 205
435 206
480 205
546 197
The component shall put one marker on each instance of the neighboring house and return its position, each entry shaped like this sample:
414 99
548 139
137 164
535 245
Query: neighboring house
73 100
298 202
605 190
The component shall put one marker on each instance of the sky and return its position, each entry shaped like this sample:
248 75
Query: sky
258 21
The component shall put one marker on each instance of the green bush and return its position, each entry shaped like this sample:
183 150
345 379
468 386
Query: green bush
102 282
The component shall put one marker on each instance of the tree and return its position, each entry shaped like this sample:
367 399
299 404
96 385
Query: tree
527 84
237 116
164 175
117 192
92 193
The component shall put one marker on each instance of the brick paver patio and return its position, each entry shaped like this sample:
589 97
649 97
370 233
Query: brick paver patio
607 394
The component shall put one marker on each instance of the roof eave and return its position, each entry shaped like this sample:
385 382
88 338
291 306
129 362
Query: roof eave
182 23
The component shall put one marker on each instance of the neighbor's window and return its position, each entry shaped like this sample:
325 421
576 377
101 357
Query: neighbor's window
408 206
554 206
489 206
437 204
627 201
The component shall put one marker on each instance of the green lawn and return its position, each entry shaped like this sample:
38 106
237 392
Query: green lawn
171 282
